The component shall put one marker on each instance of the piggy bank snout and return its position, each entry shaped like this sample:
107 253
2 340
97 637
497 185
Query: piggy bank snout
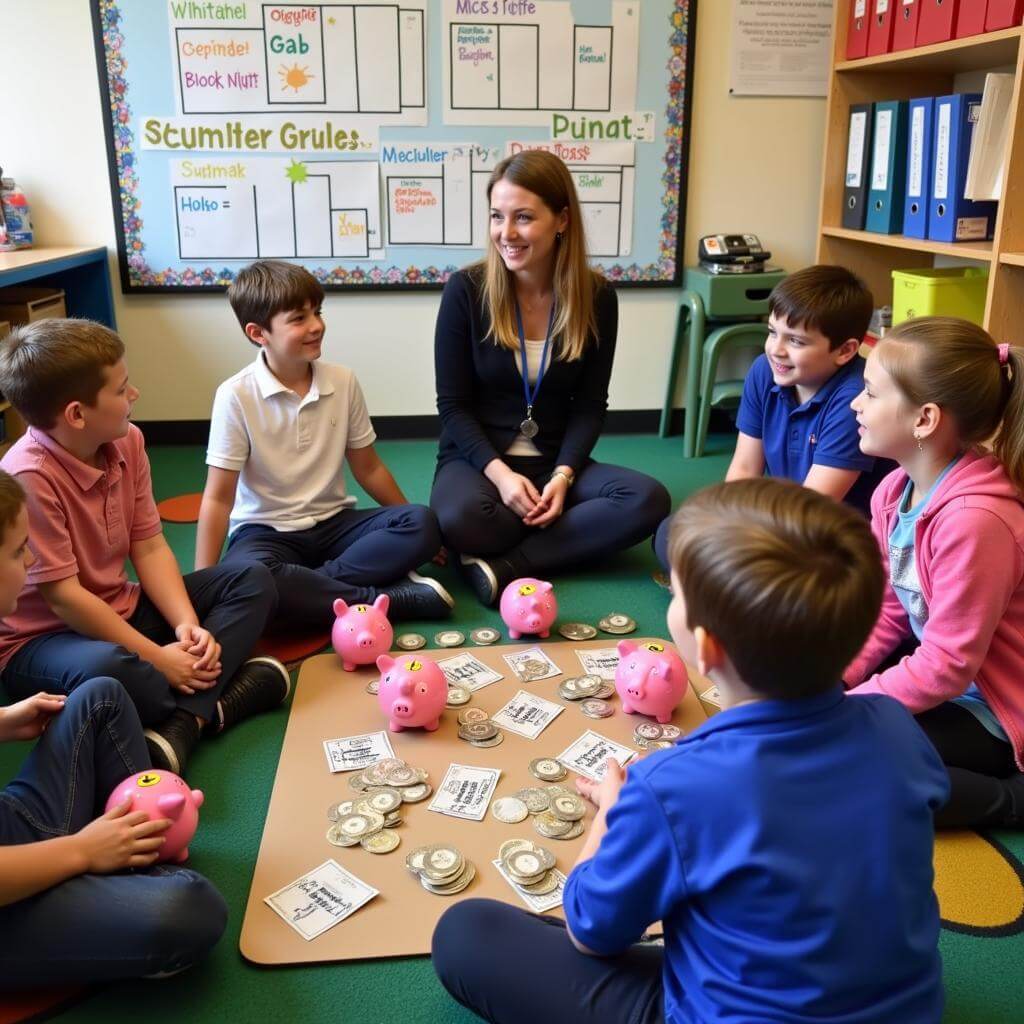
401 708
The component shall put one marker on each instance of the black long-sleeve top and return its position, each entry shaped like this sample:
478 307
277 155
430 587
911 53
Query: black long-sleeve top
480 389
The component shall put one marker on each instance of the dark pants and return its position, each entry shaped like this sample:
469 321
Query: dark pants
980 767
508 965
607 509
95 927
233 602
661 542
349 556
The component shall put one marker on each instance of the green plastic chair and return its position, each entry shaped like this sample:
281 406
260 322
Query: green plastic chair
724 339
690 320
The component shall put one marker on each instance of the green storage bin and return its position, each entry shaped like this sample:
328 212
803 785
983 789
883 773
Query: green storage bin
940 291
730 296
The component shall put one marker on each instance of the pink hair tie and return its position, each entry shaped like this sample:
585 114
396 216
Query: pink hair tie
1004 353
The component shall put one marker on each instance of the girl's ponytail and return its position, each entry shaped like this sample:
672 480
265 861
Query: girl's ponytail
1009 441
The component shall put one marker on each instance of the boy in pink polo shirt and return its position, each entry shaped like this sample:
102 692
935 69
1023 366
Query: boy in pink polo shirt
177 645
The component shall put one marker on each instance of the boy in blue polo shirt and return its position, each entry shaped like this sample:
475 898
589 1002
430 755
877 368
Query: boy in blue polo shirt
785 845
795 419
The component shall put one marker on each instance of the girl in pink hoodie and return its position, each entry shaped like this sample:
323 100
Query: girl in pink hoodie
950 525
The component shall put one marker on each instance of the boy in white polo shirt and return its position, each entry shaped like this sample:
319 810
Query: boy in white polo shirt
280 432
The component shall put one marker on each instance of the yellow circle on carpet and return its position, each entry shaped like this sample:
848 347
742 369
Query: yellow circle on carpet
976 884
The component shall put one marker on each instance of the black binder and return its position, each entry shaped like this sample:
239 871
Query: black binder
857 165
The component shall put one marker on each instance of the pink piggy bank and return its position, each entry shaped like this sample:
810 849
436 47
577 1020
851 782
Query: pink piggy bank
528 606
163 795
361 632
650 678
413 692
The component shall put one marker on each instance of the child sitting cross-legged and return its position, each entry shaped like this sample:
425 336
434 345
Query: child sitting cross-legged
785 845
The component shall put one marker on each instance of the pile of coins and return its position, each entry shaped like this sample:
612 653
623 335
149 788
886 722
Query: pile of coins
653 736
441 868
531 867
557 812
478 730
577 631
617 623
380 792
532 668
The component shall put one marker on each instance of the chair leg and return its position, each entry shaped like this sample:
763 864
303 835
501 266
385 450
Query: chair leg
694 350
673 372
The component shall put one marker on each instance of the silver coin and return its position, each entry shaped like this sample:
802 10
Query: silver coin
410 641
460 883
360 823
414 794
468 715
442 861
373 686
478 730
357 781
384 801
332 812
647 731
524 864
660 744
548 883
401 775
511 845
536 800
550 825
532 668
459 695
617 624
484 637
414 862
336 837
594 708
381 842
509 809
568 807
577 631
548 769
575 832
449 638
671 732
494 741
606 692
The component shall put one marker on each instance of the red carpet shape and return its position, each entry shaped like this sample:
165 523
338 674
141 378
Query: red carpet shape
182 509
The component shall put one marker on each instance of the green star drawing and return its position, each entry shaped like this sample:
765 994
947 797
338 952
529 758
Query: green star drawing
296 172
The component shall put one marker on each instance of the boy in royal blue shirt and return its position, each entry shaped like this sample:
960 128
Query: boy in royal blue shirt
795 419
785 845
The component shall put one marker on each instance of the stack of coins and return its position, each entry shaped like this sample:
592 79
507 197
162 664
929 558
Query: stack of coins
411 783
441 868
593 707
557 812
458 695
653 736
449 638
531 867
480 732
617 623
485 636
584 688
410 641
547 769
373 686
577 631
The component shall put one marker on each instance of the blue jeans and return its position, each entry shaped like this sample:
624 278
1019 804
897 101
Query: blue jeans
95 927
232 602
349 556
508 965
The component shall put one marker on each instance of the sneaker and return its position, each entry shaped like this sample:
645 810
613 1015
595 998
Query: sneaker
481 578
173 740
418 597
261 684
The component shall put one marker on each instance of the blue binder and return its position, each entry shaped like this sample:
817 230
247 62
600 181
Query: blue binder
951 217
888 180
919 167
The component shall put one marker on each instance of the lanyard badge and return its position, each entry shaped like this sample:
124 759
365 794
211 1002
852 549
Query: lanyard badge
529 428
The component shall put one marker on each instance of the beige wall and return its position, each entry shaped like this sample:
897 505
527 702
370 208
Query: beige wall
754 166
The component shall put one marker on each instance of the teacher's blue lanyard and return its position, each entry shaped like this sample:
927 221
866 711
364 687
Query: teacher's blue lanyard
528 428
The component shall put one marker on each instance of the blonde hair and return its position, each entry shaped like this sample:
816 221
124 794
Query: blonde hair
786 579
956 365
575 282
47 364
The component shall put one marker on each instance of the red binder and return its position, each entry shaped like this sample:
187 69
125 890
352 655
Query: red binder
857 30
880 28
1003 14
904 30
936 20
970 19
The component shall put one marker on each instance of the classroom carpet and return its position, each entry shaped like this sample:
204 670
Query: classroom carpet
981 879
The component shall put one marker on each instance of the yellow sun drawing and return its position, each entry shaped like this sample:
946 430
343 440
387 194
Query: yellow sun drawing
294 77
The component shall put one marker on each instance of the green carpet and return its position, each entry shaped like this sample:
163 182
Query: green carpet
984 982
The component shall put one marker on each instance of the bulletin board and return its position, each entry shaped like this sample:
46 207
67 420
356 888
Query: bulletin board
357 138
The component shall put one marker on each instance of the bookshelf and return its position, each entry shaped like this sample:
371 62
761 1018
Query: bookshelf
925 71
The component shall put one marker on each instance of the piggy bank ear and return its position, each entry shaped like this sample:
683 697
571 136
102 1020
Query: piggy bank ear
385 662
340 608
626 648
197 797
382 603
546 588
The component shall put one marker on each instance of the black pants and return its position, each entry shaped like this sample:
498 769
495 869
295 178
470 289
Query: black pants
508 965
987 789
608 508
348 556
233 602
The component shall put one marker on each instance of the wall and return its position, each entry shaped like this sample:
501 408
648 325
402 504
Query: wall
754 166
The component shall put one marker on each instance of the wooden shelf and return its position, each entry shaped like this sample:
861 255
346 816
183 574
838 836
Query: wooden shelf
970 54
1012 259
979 251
